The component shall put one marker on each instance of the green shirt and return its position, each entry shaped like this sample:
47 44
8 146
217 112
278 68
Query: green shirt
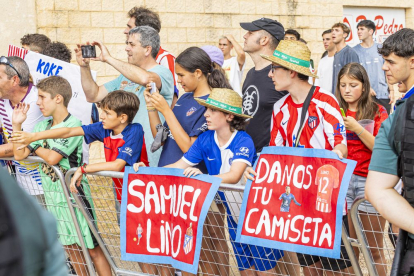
384 159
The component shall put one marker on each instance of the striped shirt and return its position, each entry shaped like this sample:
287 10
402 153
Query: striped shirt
323 125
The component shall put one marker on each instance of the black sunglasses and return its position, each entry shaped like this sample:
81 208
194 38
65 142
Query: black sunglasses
274 67
4 60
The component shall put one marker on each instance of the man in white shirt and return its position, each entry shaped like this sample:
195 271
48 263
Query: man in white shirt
233 66
15 88
325 66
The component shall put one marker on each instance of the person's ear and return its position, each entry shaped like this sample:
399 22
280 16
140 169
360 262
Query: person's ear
58 98
411 61
229 117
264 40
198 73
123 118
148 51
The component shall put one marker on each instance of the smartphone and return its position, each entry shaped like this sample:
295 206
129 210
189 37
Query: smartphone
343 112
153 87
88 51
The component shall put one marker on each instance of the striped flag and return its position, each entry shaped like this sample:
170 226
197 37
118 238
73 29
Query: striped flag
17 51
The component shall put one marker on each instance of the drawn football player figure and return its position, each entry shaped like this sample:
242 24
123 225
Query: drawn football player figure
327 178
188 240
139 232
287 198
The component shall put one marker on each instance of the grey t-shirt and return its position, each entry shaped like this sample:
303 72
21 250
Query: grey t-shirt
342 58
372 62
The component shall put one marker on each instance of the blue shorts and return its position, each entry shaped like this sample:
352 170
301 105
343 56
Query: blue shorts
248 255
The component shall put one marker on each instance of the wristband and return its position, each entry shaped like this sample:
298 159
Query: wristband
83 167
361 131
150 108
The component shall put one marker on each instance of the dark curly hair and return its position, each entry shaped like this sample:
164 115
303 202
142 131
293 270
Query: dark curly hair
145 17
36 42
238 123
58 50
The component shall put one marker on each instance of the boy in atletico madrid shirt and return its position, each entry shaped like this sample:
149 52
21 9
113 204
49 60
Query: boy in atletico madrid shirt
124 142
323 126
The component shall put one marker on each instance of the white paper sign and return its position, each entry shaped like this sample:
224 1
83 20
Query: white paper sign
387 22
42 66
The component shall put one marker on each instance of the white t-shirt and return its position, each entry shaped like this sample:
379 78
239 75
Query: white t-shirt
233 73
325 73
27 174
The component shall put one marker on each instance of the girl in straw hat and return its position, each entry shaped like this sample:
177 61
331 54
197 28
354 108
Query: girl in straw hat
322 128
227 150
183 124
353 93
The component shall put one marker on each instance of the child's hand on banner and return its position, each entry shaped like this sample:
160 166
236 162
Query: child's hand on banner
191 171
248 174
137 165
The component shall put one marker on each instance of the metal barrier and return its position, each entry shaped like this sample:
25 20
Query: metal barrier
28 177
377 248
217 254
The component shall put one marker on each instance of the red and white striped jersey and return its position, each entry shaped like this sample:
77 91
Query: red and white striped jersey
167 60
323 125
327 178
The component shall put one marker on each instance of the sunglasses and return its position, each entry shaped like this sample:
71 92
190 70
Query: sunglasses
4 60
274 67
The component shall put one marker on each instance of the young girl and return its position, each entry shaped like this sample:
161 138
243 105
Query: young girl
227 150
354 98
183 124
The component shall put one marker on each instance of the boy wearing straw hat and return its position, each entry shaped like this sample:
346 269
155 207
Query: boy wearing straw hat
322 127
227 150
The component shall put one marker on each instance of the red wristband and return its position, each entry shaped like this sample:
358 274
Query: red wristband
83 168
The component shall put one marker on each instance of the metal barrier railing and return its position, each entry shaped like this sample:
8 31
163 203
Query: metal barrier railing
376 247
25 178
217 254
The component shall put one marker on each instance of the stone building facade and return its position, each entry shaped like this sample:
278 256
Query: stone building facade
184 22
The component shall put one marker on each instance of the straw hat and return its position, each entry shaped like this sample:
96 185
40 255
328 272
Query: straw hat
293 55
225 100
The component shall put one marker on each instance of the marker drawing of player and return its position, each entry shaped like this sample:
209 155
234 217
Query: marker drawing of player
188 240
139 232
327 178
287 198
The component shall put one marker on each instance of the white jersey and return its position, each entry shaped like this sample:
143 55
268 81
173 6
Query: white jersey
325 74
233 73
27 174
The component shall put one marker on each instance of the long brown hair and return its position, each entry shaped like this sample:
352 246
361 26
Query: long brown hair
366 107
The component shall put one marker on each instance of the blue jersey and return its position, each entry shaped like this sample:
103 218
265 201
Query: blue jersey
239 148
286 200
190 115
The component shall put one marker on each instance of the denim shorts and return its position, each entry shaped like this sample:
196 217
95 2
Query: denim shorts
356 189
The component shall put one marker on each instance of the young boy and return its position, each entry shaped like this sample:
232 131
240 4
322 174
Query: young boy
54 94
124 142
227 150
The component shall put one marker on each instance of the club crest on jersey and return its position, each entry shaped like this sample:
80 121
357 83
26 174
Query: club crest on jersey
191 111
313 122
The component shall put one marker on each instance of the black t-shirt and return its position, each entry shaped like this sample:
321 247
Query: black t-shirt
259 96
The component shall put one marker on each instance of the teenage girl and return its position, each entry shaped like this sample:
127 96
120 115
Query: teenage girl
184 123
354 98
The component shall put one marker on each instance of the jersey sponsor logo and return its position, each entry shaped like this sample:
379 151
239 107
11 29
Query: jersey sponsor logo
243 151
128 151
251 100
191 111
63 142
203 128
339 129
313 122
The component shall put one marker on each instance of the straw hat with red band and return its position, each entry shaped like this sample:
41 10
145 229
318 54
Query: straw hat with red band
292 55
225 100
